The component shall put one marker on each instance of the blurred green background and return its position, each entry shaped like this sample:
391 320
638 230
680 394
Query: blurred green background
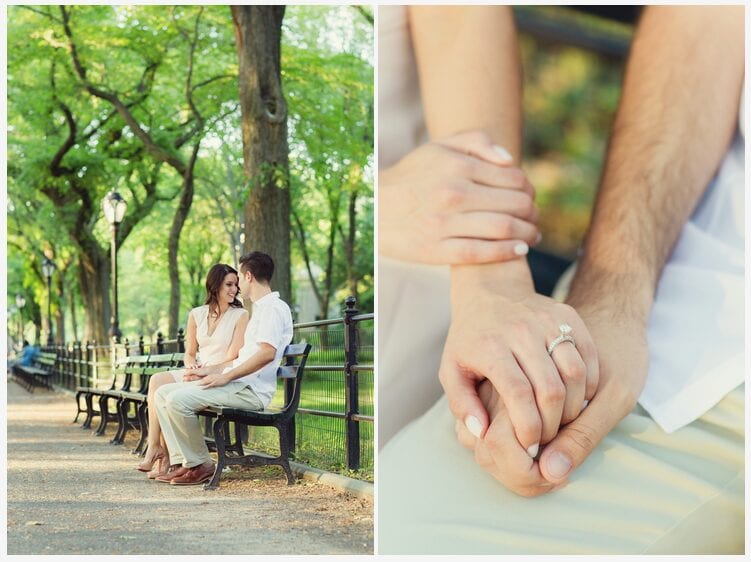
573 64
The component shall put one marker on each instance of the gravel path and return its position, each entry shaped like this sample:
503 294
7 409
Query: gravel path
70 492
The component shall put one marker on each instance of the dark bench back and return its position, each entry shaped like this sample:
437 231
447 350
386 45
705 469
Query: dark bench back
291 370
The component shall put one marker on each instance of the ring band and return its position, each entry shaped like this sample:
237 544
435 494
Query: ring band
565 330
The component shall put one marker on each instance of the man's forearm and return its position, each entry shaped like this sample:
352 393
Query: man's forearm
675 121
256 361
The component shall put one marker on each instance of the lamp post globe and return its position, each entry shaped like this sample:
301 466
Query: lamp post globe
114 206
48 268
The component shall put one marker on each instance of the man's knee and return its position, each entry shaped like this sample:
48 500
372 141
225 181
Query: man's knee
182 401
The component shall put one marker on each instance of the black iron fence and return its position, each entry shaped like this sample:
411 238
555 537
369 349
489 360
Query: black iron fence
334 424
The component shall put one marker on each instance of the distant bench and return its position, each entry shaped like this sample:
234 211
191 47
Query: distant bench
129 387
39 373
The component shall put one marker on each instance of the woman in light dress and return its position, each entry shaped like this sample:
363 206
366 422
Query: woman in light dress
215 335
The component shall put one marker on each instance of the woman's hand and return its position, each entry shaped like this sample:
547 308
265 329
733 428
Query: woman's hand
503 335
459 200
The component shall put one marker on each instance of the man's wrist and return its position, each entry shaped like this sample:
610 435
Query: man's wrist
623 295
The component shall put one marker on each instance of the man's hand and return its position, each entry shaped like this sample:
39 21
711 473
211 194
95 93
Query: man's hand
217 379
456 200
499 452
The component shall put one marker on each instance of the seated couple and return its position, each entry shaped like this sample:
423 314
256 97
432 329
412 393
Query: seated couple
237 368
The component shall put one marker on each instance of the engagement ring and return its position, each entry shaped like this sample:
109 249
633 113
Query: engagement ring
565 330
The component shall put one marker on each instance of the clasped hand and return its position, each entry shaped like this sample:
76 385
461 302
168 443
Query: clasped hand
505 340
620 365
209 376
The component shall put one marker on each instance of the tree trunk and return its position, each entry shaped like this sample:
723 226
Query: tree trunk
36 317
60 312
181 214
73 317
258 31
94 280
327 279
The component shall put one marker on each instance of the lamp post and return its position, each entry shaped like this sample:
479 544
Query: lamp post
48 268
114 207
20 303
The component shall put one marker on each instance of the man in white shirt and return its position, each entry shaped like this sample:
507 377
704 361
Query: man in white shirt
248 383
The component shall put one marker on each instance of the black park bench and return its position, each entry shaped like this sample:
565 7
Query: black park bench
291 370
123 370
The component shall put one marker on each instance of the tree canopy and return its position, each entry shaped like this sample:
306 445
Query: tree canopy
144 100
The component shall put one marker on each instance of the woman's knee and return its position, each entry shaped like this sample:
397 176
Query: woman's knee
158 380
159 392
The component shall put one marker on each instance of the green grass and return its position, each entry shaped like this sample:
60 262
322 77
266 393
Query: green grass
320 441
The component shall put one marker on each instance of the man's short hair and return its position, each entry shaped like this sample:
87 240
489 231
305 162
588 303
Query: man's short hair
259 264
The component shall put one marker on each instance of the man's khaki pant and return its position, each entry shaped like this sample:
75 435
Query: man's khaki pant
176 406
640 491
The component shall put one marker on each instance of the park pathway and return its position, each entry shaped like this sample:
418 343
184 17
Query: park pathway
70 492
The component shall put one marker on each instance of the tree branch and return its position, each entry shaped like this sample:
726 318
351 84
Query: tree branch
300 235
40 12
154 149
365 13
212 79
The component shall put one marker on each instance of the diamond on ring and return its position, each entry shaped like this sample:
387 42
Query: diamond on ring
565 330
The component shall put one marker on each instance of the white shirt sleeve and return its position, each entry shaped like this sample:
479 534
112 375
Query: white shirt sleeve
271 327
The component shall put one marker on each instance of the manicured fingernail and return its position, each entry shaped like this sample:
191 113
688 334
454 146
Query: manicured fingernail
584 405
474 426
503 152
539 238
521 249
532 451
558 465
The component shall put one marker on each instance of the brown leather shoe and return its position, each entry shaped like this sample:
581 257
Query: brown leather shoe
196 475
172 471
